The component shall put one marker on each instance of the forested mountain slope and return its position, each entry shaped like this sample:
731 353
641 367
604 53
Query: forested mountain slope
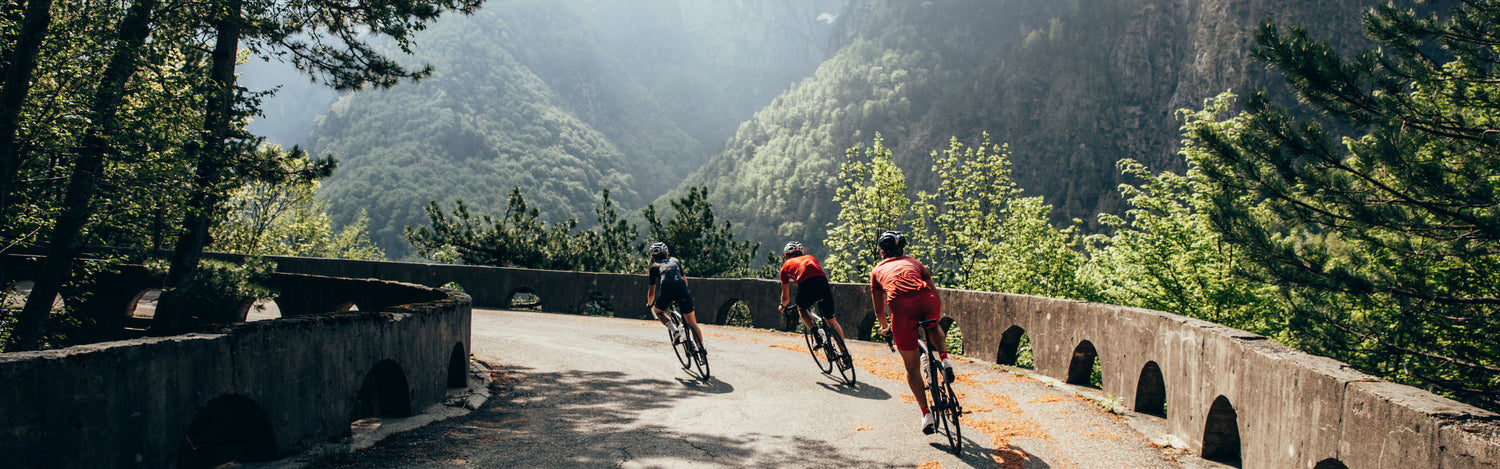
1072 86
563 98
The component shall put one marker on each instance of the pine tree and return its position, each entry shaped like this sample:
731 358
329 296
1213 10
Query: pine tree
1381 221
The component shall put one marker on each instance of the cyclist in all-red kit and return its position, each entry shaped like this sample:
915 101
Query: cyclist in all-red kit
903 284
812 288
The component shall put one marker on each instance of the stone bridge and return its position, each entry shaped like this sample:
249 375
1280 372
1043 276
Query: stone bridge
1231 395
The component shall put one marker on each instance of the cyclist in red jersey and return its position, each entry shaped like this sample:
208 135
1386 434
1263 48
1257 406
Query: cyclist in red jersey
903 284
812 288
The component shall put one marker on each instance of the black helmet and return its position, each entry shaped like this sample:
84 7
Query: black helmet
659 251
892 242
792 249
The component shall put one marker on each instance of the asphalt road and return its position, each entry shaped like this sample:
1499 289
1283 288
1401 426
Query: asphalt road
576 391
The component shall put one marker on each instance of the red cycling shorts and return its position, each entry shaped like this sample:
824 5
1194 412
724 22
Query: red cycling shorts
906 311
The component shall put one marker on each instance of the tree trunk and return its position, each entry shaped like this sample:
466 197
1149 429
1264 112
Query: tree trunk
212 158
84 182
22 65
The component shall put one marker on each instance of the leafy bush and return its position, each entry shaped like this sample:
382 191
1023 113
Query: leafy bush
220 290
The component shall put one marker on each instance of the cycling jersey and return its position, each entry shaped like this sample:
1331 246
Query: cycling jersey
900 276
667 271
671 286
801 268
909 294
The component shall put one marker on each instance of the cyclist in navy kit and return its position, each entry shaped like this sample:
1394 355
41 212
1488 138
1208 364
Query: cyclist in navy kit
668 286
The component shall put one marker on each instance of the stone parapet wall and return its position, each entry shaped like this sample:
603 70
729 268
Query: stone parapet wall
1283 408
258 390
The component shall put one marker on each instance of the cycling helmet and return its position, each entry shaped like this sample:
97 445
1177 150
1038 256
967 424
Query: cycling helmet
792 249
659 251
892 242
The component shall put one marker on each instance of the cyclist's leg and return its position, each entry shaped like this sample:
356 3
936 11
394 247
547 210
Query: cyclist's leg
685 304
938 340
804 307
830 316
692 320
660 315
913 360
904 334
807 319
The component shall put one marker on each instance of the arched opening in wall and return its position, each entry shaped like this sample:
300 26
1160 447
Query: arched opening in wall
231 428
452 286
953 335
1330 463
525 299
458 367
383 393
735 313
144 306
264 309
868 330
1151 391
1084 369
597 304
1221 434
15 297
1015 349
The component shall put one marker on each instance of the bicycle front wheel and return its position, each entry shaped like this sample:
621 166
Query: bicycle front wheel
951 416
944 403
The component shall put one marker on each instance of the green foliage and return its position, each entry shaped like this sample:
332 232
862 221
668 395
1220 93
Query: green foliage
1025 358
1097 82
285 218
873 198
1381 226
739 315
219 291
705 248
983 234
1165 255
521 239
67 326
563 98
954 338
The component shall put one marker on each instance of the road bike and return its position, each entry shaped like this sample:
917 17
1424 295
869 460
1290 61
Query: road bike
687 344
822 339
942 402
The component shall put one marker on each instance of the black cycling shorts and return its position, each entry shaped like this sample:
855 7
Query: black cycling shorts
813 290
669 293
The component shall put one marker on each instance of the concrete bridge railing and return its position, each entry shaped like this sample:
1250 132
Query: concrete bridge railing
1231 395
245 391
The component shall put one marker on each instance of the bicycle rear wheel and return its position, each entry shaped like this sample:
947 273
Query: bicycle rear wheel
813 347
838 356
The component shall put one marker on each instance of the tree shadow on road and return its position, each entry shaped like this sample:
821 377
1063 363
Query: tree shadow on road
860 390
590 419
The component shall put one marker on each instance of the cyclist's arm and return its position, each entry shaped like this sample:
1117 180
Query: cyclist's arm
786 291
651 295
877 298
927 277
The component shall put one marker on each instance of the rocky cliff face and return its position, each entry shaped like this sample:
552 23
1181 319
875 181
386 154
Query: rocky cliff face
1073 86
